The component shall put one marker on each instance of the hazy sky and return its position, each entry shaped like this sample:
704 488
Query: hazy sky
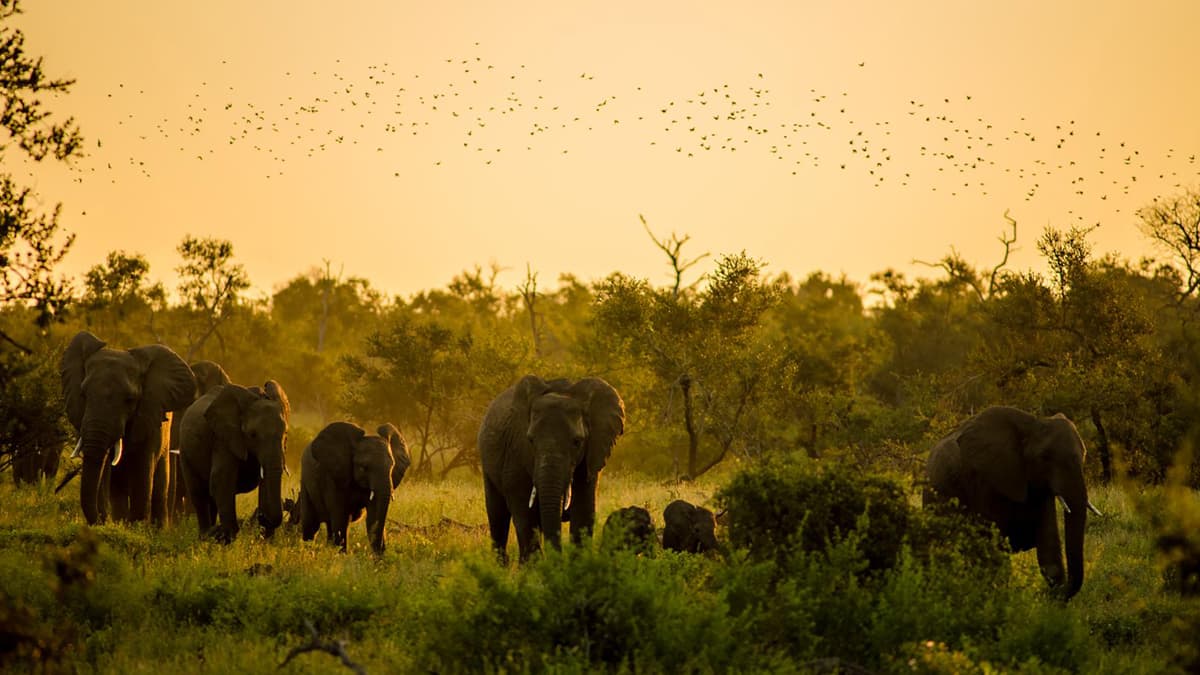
408 141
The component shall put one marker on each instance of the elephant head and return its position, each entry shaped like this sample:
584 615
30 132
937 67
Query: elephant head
689 528
568 431
251 425
209 375
116 398
361 467
1010 466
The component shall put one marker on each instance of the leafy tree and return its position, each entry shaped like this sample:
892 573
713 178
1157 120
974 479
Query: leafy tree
30 245
704 344
116 294
210 284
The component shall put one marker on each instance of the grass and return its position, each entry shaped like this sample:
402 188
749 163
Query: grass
150 600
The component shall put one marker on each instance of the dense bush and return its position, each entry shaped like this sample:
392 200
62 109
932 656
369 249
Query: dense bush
581 609
782 506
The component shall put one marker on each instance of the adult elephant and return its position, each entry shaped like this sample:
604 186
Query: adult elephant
209 375
232 441
119 401
345 473
539 440
1009 466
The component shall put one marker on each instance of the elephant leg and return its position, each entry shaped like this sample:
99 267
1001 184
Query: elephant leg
498 519
525 521
141 479
309 522
195 486
1049 547
158 491
223 489
583 503
339 522
118 492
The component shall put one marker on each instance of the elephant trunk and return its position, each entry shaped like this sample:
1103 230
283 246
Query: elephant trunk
1075 522
95 442
270 501
377 510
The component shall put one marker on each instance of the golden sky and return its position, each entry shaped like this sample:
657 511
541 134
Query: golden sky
407 141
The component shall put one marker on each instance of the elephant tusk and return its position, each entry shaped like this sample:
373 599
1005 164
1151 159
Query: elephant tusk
174 451
78 448
532 496
118 450
1064 504
262 473
1094 510
371 496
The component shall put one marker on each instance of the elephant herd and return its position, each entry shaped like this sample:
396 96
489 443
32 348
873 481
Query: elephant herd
149 424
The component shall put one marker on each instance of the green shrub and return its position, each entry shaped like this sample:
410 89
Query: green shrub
777 507
580 609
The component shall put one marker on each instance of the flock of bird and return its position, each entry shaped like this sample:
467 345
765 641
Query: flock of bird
482 112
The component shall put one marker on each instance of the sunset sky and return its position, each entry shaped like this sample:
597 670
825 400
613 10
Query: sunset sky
405 142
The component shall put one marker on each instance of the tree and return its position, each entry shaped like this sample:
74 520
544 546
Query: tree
210 286
116 291
30 246
1174 225
705 344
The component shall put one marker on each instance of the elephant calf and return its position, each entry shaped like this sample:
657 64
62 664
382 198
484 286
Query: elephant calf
689 528
344 473
629 528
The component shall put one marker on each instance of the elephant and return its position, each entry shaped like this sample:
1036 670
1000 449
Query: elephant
208 375
629 528
539 440
232 441
119 401
689 528
1008 466
37 457
344 473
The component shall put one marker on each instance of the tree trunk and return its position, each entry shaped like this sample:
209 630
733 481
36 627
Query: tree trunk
685 382
1102 447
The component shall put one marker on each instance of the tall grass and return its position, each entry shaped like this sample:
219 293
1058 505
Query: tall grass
136 599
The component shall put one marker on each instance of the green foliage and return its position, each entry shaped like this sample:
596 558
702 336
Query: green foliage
782 507
33 427
30 243
580 608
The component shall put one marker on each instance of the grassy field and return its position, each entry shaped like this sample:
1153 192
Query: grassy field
135 599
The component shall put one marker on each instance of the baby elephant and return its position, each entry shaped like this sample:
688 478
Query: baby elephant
629 528
345 472
689 528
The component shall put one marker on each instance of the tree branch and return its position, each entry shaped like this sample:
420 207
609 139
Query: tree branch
316 644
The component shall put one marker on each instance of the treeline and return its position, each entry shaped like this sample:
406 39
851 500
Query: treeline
737 364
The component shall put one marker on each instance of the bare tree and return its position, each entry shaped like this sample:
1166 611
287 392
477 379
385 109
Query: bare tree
673 248
529 295
1174 225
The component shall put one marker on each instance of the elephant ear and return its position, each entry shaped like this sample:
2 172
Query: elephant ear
604 412
400 456
333 448
224 417
273 391
993 444
72 370
167 384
